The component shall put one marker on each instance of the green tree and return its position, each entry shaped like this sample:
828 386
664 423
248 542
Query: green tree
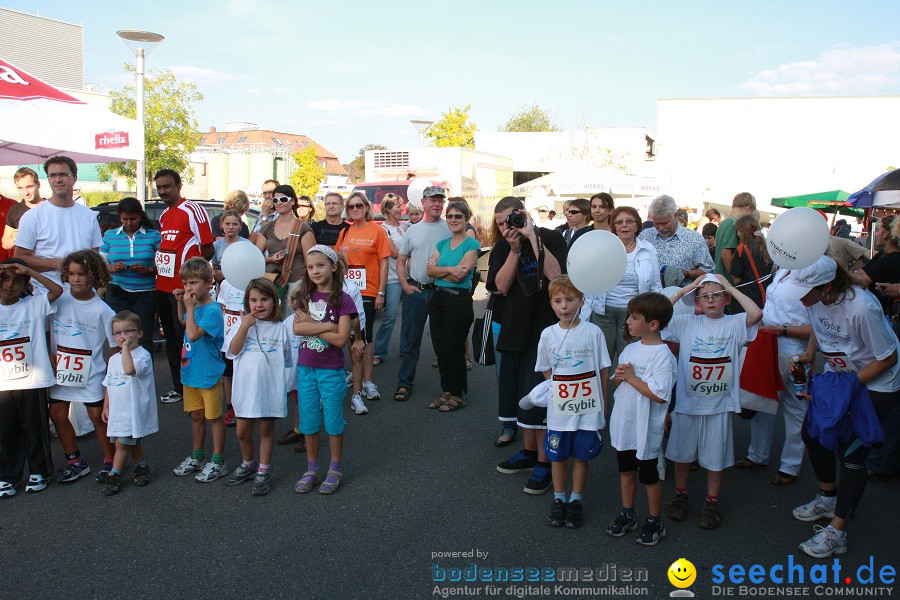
170 132
360 161
530 118
454 129
309 173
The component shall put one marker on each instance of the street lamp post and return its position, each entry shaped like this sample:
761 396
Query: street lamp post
421 127
140 44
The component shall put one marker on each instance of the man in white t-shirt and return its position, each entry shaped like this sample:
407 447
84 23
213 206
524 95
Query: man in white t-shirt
53 229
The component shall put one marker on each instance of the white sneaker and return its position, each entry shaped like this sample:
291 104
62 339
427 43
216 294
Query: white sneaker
814 510
370 391
170 398
36 483
356 403
824 543
349 379
7 489
211 471
187 466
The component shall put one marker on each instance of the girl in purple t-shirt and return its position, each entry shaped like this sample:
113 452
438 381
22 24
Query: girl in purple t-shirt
323 322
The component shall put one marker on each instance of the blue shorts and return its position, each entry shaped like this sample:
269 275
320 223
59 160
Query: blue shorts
581 444
321 391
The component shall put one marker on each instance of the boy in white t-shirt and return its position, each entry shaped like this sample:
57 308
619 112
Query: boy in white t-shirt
129 406
573 357
645 376
708 387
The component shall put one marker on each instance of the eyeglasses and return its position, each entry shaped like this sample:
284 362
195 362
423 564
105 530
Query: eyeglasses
455 217
269 194
625 222
132 330
58 175
304 206
574 212
281 199
355 206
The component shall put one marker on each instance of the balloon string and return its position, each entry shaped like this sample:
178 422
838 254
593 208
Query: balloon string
763 278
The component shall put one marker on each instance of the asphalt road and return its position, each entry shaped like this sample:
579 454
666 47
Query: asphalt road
417 483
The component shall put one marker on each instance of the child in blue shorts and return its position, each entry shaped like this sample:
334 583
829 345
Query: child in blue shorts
573 357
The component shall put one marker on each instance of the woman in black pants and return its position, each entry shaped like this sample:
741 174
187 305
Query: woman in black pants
850 330
450 312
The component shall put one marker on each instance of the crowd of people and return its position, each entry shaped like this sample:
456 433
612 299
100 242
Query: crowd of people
736 335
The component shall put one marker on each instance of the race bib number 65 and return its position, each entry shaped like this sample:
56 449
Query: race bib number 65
15 358
575 395
710 377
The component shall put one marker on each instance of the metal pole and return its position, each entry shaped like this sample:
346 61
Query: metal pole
140 171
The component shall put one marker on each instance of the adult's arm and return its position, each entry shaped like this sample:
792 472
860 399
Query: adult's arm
9 237
37 263
207 251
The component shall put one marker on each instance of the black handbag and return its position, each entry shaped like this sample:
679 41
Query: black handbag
483 337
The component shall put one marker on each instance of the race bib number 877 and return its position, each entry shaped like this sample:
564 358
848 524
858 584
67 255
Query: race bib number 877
710 377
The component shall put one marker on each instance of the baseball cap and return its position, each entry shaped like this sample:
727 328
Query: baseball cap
692 295
798 283
434 190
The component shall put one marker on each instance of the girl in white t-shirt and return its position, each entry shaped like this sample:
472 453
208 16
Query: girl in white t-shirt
81 339
261 351
25 375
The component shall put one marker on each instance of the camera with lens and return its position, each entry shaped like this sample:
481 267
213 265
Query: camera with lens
516 219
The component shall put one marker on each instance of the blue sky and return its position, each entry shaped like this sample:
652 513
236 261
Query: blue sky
356 72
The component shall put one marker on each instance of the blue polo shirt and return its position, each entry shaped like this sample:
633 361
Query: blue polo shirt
139 249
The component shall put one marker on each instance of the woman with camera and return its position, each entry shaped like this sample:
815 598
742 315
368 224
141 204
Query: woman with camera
130 252
523 261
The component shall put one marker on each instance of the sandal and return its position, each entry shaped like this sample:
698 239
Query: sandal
677 508
402 394
331 483
377 361
710 517
452 403
309 480
782 478
506 438
747 464
291 437
439 401
301 447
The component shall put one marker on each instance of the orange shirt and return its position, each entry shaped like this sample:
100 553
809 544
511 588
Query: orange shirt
364 248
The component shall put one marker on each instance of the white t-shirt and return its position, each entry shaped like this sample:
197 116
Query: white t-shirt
290 372
232 301
780 312
132 398
627 288
81 329
853 333
259 386
24 362
709 361
53 232
351 289
576 357
637 422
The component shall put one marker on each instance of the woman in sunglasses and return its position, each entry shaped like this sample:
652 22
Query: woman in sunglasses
578 218
285 240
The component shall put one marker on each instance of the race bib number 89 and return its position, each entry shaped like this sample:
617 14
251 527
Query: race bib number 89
575 395
357 275
839 362
710 377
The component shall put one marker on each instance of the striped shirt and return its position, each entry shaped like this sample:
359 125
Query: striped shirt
139 249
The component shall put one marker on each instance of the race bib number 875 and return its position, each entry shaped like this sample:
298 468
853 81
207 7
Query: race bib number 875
575 395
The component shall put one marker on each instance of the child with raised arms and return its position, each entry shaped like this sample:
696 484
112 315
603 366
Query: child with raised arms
261 351
25 375
323 320
709 370
645 376
129 406
81 339
573 357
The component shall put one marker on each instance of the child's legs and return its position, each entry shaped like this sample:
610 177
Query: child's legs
312 446
95 412
266 440
336 446
357 370
560 472
654 499
226 390
628 466
137 454
714 482
198 430
121 457
309 413
579 475
245 437
532 439
682 446
12 438
715 447
59 414
218 435
292 401
682 470
212 408
32 410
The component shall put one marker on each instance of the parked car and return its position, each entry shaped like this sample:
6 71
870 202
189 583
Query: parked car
108 215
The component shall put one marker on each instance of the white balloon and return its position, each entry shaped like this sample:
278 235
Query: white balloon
415 190
241 263
679 308
798 238
596 262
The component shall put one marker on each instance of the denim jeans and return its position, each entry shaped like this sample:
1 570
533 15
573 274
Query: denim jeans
415 313
143 304
392 297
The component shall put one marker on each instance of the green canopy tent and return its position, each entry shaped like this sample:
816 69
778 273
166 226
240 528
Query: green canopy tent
834 201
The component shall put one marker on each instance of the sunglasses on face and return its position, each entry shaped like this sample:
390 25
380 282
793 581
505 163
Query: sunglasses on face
281 199
455 217
626 222
573 212
355 206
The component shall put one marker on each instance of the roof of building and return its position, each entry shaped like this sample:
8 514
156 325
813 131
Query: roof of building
259 138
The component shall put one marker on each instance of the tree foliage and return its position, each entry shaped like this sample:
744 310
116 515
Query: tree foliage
170 132
530 118
309 173
360 161
454 129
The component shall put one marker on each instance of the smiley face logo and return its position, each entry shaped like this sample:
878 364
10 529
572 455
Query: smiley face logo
682 573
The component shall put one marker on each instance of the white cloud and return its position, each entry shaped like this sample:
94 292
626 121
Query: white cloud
203 75
367 108
842 70
253 92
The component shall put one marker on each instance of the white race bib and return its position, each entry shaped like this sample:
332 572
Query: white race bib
710 377
231 319
165 263
73 366
839 362
15 359
357 275
575 395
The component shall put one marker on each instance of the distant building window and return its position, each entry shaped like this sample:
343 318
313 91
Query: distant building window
277 141
202 140
221 140
242 139
287 142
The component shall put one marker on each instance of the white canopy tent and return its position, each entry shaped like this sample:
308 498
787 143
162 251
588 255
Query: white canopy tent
584 182
38 121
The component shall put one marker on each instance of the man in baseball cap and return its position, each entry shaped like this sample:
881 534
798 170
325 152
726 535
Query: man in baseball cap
434 190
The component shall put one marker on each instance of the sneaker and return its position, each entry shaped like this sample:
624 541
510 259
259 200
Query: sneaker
170 398
74 471
824 543
677 507
557 516
36 483
370 391
540 481
141 475
105 470
349 379
356 403
517 463
7 489
814 510
113 484
573 515
188 466
651 532
622 525
211 471
240 475
230 419
261 485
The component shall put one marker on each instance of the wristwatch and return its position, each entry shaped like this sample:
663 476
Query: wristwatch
381 293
